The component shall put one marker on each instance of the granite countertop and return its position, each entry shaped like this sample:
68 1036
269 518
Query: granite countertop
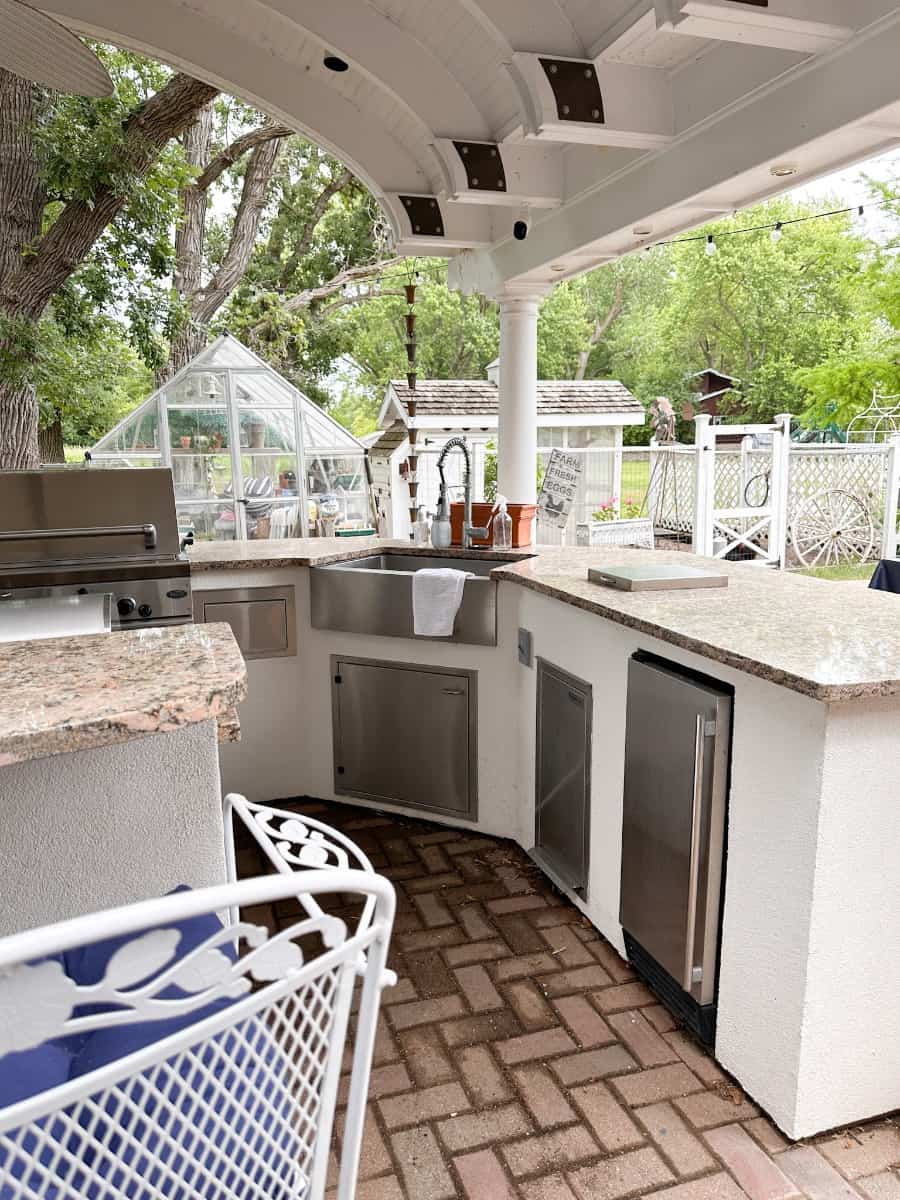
832 641
79 693
314 552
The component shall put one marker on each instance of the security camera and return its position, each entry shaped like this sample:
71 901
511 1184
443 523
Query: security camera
520 230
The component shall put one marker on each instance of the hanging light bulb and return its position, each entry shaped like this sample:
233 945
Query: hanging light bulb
777 233
711 248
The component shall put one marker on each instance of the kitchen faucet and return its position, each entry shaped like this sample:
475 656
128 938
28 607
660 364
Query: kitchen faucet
469 530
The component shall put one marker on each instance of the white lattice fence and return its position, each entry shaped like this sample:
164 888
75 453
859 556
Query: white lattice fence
862 473
673 480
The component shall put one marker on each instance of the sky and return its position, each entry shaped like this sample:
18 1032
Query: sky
851 186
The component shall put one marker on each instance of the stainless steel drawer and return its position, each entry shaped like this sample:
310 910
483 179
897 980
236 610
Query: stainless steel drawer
263 619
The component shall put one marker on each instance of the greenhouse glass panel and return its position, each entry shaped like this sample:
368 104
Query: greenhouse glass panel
250 455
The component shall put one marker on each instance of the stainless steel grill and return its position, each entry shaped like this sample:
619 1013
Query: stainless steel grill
66 530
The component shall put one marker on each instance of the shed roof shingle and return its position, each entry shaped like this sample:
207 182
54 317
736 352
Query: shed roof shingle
478 397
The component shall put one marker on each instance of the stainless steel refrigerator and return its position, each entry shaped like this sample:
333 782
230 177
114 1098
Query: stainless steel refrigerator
677 751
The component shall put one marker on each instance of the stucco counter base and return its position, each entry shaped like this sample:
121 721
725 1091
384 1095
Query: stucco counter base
109 768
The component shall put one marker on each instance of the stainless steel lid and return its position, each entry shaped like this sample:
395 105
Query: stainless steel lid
71 515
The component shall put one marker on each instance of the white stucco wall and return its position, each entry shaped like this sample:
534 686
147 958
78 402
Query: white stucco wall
98 828
850 1044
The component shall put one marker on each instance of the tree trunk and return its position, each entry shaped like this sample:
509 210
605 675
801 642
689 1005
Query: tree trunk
50 441
18 427
203 302
21 206
34 267
189 242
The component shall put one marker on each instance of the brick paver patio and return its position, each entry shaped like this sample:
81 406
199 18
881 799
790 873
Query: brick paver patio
519 1058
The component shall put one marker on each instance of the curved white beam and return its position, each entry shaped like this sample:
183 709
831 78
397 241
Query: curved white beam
394 60
211 50
544 28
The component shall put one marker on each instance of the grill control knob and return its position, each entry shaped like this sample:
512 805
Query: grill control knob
126 605
145 611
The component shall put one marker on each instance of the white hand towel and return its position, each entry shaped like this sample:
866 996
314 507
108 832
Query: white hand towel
437 595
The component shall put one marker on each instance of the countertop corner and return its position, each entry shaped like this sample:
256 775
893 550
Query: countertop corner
81 693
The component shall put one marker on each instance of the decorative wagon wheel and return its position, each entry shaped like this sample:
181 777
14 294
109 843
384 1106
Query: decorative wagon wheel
832 527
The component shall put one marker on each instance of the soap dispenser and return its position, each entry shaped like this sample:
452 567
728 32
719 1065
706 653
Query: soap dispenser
501 523
422 527
441 534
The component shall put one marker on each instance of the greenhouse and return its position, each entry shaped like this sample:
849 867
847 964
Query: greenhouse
251 456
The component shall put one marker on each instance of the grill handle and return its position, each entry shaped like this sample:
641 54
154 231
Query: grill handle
148 532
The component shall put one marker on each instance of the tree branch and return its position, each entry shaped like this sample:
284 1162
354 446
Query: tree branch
238 148
360 298
71 238
351 275
324 198
243 235
601 327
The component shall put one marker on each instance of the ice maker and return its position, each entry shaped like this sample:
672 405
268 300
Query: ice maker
677 752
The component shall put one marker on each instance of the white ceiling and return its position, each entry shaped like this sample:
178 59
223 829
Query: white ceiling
698 100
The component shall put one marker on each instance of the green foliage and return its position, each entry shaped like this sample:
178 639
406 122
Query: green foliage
89 383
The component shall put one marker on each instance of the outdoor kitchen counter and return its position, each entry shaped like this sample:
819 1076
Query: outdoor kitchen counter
830 641
78 693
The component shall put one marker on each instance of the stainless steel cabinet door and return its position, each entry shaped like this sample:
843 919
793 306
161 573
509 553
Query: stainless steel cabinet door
405 734
676 767
563 772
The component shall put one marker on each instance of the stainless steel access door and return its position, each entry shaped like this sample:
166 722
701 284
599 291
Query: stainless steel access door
676 774
405 734
563 775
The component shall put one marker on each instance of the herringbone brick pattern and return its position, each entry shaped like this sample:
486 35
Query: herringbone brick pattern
518 1057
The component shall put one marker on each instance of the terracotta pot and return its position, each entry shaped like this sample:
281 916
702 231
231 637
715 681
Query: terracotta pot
522 520
410 289
185 443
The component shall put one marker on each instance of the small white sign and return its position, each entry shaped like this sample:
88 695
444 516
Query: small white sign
559 488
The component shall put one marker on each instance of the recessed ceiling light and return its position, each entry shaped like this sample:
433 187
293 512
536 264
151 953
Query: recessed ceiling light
557 267
333 63
642 230
783 170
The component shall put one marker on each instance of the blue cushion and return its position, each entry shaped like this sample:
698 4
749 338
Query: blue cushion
25 1073
240 1090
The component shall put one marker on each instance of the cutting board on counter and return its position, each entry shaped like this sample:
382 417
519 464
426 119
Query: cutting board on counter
655 577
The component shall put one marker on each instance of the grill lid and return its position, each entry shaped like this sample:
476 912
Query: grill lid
71 515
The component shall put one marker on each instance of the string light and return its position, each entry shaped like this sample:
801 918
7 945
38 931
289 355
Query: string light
775 229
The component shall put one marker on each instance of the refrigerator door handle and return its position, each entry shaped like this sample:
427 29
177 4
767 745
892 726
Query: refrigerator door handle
688 980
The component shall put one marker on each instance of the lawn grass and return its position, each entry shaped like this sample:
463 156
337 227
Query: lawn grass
635 479
844 571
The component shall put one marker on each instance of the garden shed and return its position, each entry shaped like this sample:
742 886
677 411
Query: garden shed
250 454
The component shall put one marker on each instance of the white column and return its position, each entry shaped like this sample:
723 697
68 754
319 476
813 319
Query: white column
517 427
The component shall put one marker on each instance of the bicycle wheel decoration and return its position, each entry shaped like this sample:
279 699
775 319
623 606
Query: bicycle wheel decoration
831 528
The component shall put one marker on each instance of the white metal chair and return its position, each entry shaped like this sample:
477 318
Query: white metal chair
185 1057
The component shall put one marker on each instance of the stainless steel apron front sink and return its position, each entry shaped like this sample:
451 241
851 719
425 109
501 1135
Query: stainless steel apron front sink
374 595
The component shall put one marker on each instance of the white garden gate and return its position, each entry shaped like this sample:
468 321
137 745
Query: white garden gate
750 516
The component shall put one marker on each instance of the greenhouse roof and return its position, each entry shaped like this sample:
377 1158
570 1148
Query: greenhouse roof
253 382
